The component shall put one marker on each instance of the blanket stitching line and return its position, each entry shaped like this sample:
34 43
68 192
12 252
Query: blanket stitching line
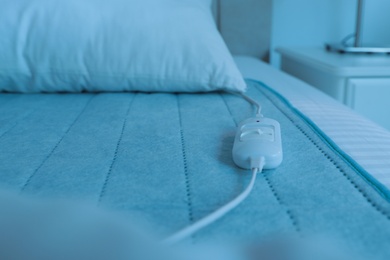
352 182
338 167
56 145
108 174
289 213
13 126
186 175
228 108
18 122
185 164
271 187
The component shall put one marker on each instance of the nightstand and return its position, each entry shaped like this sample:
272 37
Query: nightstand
360 81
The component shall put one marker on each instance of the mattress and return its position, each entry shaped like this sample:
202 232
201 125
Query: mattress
164 161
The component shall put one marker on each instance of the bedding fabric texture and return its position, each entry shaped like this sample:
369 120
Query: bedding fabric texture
164 161
363 140
118 45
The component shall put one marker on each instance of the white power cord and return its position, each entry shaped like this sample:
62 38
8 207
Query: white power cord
257 166
249 154
250 100
253 102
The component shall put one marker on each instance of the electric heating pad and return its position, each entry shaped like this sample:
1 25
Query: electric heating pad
165 161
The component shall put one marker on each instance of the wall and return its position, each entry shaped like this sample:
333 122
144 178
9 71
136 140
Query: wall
314 22
376 23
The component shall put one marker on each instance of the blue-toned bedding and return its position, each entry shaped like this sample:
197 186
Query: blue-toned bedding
165 161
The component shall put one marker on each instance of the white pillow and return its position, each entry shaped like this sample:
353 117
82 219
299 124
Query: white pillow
116 45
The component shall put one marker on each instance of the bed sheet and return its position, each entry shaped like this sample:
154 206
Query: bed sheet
365 141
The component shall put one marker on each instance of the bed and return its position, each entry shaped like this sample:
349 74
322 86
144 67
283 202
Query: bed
159 155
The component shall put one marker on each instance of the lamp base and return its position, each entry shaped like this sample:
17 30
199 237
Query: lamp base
342 48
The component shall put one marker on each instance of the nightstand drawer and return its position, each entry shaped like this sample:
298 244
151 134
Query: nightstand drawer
371 98
360 81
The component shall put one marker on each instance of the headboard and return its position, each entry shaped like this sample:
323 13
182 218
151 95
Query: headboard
245 26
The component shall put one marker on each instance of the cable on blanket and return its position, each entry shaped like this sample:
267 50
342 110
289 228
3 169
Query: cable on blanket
253 102
250 100
188 231
257 146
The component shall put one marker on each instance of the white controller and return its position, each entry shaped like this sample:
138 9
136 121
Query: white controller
258 137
